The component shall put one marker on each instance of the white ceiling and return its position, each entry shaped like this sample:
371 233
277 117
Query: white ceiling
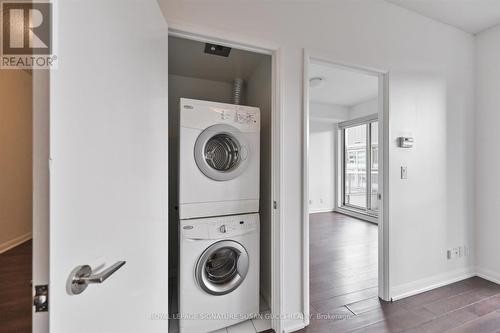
472 16
188 58
342 87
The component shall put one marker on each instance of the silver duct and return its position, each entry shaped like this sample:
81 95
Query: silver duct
238 91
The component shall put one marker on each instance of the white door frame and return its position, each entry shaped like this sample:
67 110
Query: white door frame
41 193
225 38
383 217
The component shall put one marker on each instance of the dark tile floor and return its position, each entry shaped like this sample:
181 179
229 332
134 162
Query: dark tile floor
344 298
15 290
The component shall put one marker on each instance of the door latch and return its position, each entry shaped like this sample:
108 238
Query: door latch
41 298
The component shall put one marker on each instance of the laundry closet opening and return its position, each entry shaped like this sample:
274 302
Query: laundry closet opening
220 187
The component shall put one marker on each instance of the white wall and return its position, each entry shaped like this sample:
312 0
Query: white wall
15 157
431 88
487 158
258 93
185 87
363 109
321 166
328 112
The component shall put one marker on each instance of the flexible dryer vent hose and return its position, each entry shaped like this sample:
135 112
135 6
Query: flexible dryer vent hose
238 91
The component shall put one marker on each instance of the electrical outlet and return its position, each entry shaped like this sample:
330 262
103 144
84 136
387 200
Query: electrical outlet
404 172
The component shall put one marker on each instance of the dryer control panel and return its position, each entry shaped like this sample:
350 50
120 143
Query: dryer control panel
202 114
220 227
245 117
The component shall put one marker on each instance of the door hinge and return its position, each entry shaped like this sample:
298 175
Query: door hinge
275 204
41 298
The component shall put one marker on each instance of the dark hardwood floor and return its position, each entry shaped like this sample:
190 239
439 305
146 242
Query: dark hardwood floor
343 289
343 261
15 289
343 277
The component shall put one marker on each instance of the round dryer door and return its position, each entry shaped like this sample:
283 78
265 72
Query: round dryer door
222 267
221 152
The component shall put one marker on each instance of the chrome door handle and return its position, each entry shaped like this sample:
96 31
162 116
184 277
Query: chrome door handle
82 276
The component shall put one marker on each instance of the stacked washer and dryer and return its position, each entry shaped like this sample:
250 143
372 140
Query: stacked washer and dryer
219 162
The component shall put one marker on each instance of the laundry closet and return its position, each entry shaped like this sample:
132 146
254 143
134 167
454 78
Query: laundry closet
220 190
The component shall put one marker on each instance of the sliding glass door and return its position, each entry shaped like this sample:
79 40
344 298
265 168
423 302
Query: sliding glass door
373 197
355 177
360 166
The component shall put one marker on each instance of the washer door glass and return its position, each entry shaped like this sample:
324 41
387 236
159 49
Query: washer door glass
221 152
222 267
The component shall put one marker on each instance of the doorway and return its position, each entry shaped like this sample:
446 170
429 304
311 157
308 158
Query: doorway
16 179
204 77
345 209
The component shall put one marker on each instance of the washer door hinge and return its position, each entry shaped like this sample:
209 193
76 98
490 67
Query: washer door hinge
41 298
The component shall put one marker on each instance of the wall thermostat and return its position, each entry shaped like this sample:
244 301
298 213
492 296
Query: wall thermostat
405 142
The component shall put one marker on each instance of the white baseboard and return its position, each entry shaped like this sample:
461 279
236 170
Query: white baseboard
321 210
15 242
352 213
488 275
433 282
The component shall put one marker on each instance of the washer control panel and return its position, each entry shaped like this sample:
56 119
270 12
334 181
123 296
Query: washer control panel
229 227
220 227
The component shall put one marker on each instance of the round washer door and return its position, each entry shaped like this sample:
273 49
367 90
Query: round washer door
221 152
222 267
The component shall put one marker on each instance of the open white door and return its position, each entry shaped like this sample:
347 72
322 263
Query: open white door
108 170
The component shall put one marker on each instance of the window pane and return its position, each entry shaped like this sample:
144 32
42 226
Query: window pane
374 166
355 166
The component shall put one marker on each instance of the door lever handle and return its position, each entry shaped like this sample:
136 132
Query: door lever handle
82 276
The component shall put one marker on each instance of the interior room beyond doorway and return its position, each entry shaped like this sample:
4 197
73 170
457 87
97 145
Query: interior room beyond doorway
343 183
343 141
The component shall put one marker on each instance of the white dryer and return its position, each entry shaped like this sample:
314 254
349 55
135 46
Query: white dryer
219 272
219 158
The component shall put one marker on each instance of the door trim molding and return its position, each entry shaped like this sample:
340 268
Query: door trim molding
383 218
227 38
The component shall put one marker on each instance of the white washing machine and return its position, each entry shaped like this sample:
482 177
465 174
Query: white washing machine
219 272
219 158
